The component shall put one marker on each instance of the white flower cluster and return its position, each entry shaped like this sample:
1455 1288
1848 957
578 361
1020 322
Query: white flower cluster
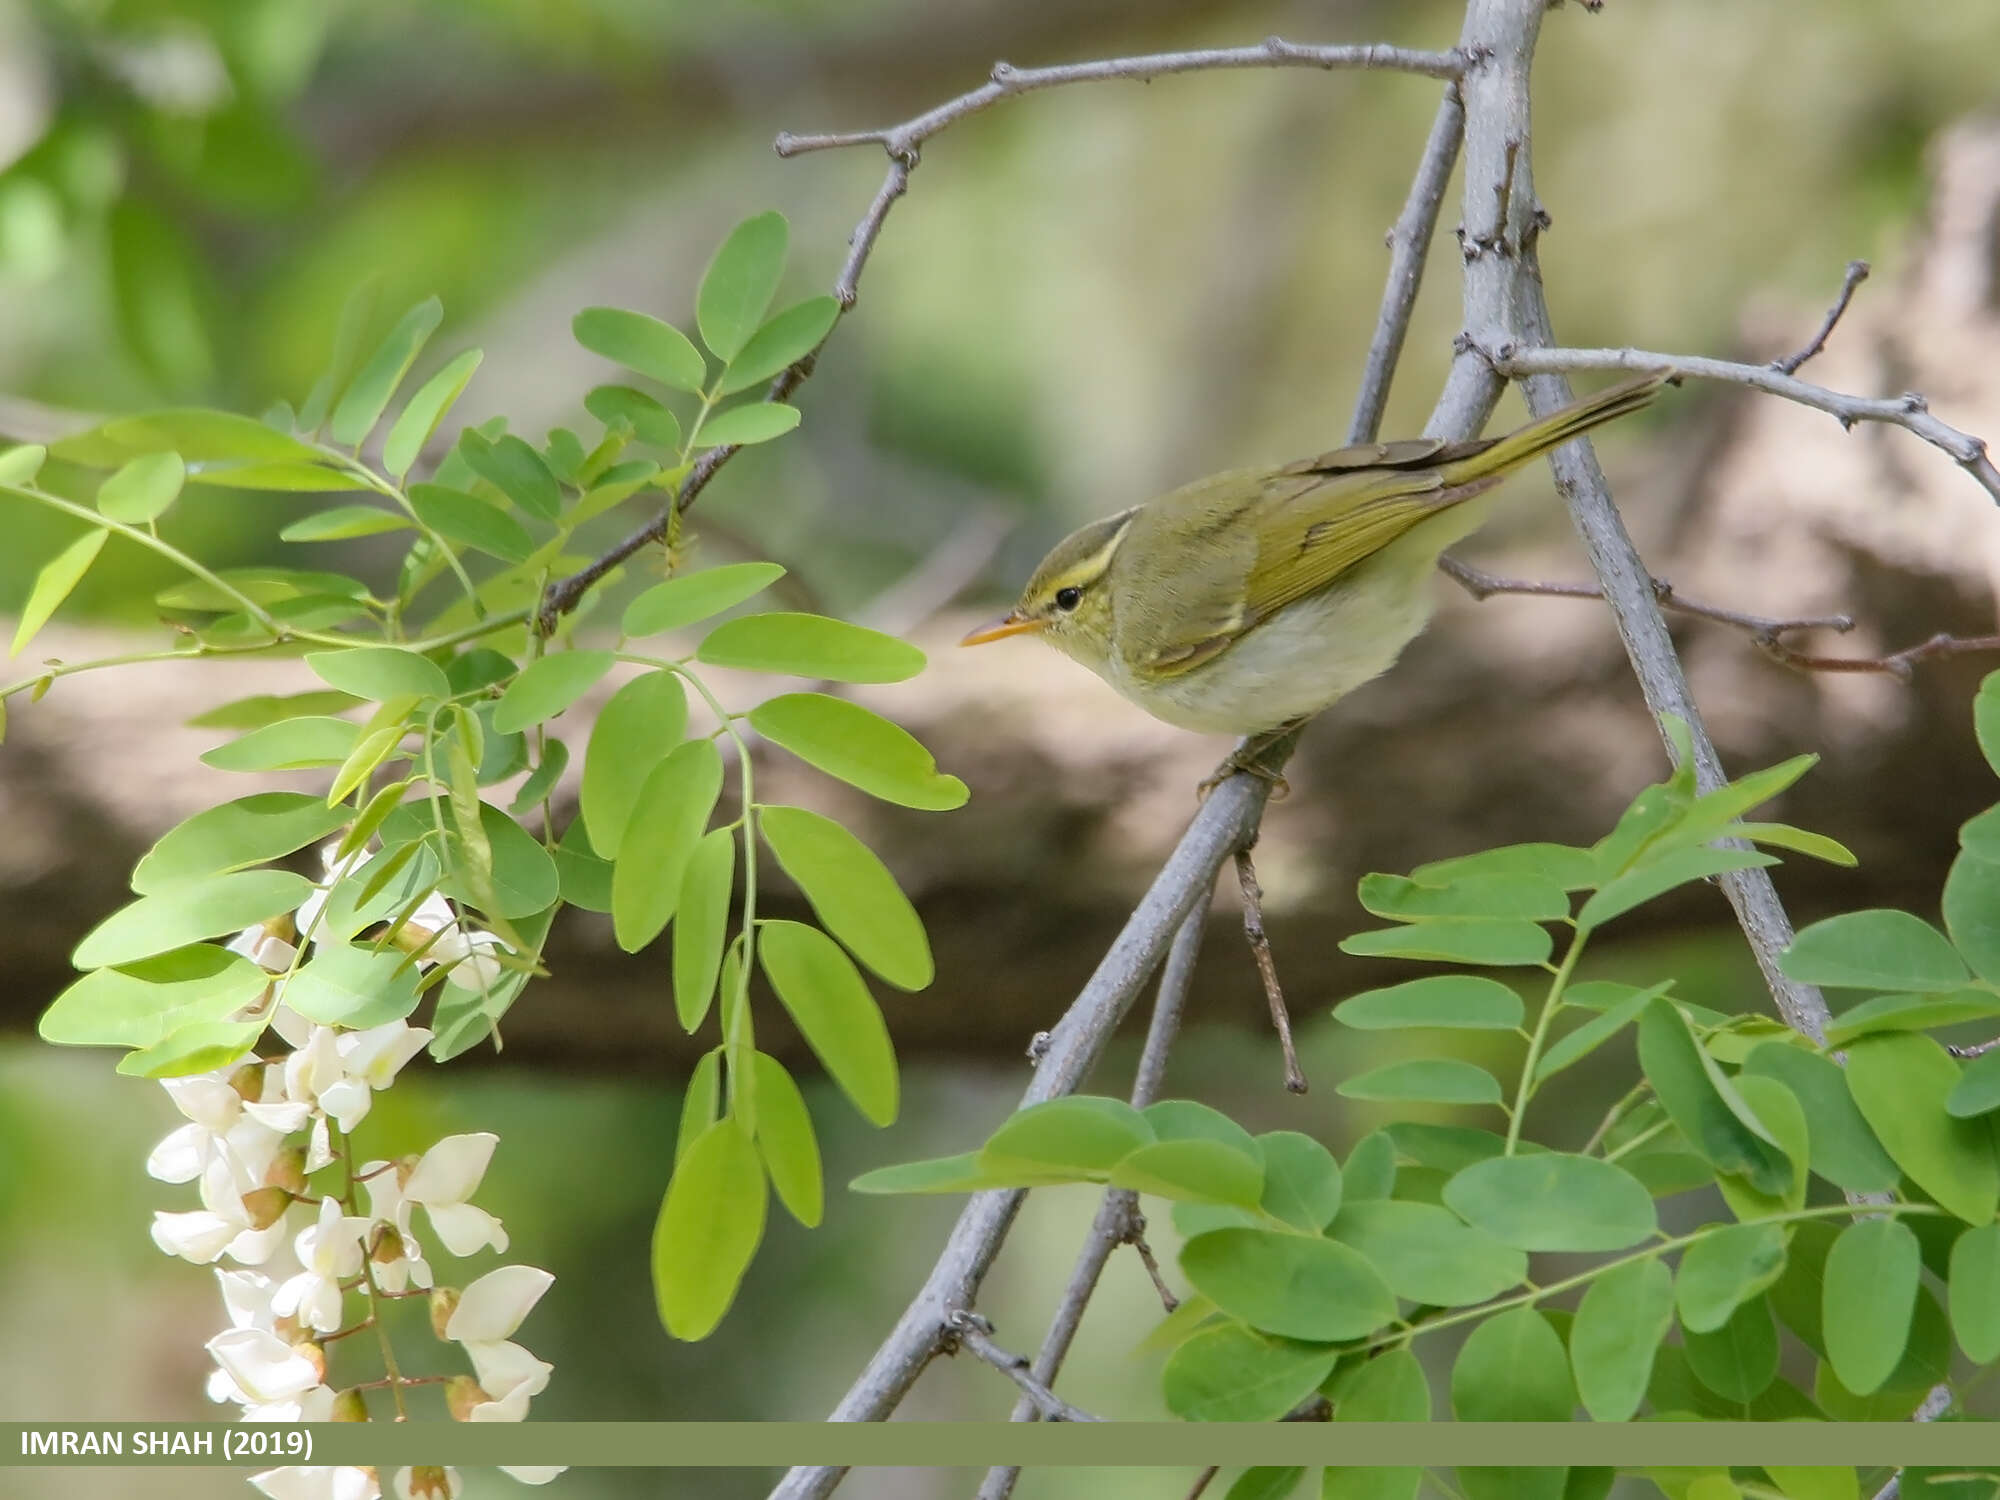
292 1254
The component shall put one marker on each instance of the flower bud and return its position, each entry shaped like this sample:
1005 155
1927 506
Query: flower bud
461 1394
349 1406
444 1302
388 1246
427 1483
265 1206
288 1170
312 1351
248 1081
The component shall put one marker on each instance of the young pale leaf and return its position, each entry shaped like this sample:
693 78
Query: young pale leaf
1726 1268
1739 1360
1595 1032
697 596
1975 1292
584 876
515 469
234 836
143 489
1972 912
1295 1285
1874 950
785 339
199 435
294 479
1799 840
1620 1324
645 719
1704 1104
1082 1137
1231 1374
655 349
343 523
861 748
1552 1201
708 1229
1513 1369
375 383
1656 876
650 422
1843 1149
1495 897
189 912
800 645
1569 868
830 1004
1456 941
701 1105
53 583
200 1047
752 422
547 686
785 1139
542 780
1900 1082
1977 1091
851 892
1427 1255
1911 1013
1193 1171
701 929
668 817
737 287
521 878
1871 1291
342 985
379 673
471 522
142 1003
1456 1001
20 464
1434 1080
1301 1180
422 413
1710 814
964 1173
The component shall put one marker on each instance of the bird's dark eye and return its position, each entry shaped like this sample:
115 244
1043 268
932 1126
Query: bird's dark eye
1068 599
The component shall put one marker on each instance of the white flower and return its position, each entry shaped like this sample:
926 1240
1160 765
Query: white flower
262 1366
442 1181
317 1482
329 1249
512 1407
370 1059
504 1368
385 1205
221 1126
532 1473
488 1313
315 1405
471 956
266 950
198 1235
246 1296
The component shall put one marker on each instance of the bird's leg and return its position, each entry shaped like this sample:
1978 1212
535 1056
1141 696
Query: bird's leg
1248 759
1267 968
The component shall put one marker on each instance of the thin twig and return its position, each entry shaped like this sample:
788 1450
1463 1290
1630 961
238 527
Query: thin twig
1857 272
1976 1049
1896 664
1267 968
975 1333
1007 81
1202 1481
1136 1238
1908 411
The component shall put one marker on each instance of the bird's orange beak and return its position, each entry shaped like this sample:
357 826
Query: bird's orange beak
1011 623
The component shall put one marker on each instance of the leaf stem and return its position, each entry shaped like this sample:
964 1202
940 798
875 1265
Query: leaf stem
1526 1090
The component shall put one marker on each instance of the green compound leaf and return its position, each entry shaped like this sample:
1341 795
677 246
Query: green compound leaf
1455 1001
709 1225
198 434
786 338
354 987
53 583
549 685
1391 1387
1513 1368
1231 1374
1266 1482
468 521
342 523
655 349
1911 1013
542 780
701 1105
785 1139
379 673
1302 1182
1493 897
1972 912
1723 1270
20 464
851 892
1456 941
1569 868
213 906
1081 1137
369 393
737 287
1871 1280
1977 1091
140 1004
1874 950
1595 1032
1193 1171
1427 1255
288 745
702 927
829 1002
1434 1080
1620 1324
650 422
515 469
1294 1285
1986 719
200 1047
1900 1081
422 413
1552 1201
861 748
668 817
235 835
645 719
1659 875
1739 1360
143 489
1975 1292
1844 1150
697 596
801 645
1704 1104
753 422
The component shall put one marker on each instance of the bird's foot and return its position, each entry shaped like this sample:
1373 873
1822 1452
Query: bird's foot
1248 759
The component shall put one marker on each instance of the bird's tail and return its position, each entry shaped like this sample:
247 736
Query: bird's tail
1558 427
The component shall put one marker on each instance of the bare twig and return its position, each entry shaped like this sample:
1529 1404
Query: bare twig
1007 81
1857 272
1136 1238
1976 1049
1908 411
975 1333
1483 585
1267 968
1896 664
1202 1481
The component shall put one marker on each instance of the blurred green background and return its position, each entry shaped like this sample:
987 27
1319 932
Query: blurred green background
1087 296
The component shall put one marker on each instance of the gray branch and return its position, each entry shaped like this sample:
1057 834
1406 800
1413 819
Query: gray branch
973 1332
